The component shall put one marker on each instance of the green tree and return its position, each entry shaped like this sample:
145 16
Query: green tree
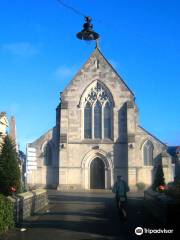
9 167
159 177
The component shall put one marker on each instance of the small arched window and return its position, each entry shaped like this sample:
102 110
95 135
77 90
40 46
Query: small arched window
148 153
47 155
97 120
87 121
107 121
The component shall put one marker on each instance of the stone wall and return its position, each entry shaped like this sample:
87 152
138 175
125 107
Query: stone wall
26 204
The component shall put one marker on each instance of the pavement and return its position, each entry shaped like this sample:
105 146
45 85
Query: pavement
86 216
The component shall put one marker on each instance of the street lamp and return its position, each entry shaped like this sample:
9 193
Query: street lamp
87 33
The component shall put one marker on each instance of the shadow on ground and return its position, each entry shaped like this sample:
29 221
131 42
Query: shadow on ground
85 216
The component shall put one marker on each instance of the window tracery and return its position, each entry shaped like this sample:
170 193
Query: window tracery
97 93
98 113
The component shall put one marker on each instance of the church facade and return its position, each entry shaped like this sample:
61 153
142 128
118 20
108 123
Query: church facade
97 136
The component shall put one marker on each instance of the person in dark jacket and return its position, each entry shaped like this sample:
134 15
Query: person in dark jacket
120 189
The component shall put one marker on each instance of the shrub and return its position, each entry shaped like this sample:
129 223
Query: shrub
6 214
173 189
140 186
9 167
159 178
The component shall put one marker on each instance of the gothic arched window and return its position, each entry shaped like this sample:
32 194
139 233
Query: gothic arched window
148 153
107 121
47 155
87 121
97 120
98 105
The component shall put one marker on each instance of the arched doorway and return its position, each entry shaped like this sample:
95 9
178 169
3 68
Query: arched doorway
97 174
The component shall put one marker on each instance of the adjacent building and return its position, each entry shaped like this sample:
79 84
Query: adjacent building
4 124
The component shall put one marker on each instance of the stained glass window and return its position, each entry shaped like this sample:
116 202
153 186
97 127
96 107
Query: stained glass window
88 121
98 113
148 153
107 121
98 120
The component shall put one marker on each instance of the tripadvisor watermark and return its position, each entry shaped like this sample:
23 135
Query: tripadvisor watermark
140 231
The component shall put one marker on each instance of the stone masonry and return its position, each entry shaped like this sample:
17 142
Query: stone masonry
72 154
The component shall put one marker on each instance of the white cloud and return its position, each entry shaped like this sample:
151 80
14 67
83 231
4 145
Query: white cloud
22 49
64 71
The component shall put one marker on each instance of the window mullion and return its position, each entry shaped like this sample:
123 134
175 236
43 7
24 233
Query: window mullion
102 122
111 123
92 122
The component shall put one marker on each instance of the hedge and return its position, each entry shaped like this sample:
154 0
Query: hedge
140 186
6 214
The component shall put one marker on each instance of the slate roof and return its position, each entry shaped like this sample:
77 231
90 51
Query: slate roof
172 150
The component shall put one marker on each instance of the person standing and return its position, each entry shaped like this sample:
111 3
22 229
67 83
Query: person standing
120 189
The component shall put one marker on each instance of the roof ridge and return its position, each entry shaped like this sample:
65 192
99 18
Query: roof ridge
114 70
152 135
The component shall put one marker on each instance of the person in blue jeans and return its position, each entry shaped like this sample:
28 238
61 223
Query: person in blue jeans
120 189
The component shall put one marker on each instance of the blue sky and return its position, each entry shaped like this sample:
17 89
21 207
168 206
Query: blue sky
39 55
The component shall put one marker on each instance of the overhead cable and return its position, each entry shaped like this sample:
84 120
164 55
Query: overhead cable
71 8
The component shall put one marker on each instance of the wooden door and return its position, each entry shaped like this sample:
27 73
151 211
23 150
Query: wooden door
97 174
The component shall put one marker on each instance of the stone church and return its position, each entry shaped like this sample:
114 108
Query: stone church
97 136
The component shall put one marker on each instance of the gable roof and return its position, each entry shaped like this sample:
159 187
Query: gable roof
113 69
152 135
98 52
41 138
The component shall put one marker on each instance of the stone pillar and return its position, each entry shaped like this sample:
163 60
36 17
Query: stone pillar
131 130
86 178
12 132
58 117
106 178
112 177
131 126
167 167
63 143
177 166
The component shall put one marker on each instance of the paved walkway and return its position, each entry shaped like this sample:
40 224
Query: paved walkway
83 216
